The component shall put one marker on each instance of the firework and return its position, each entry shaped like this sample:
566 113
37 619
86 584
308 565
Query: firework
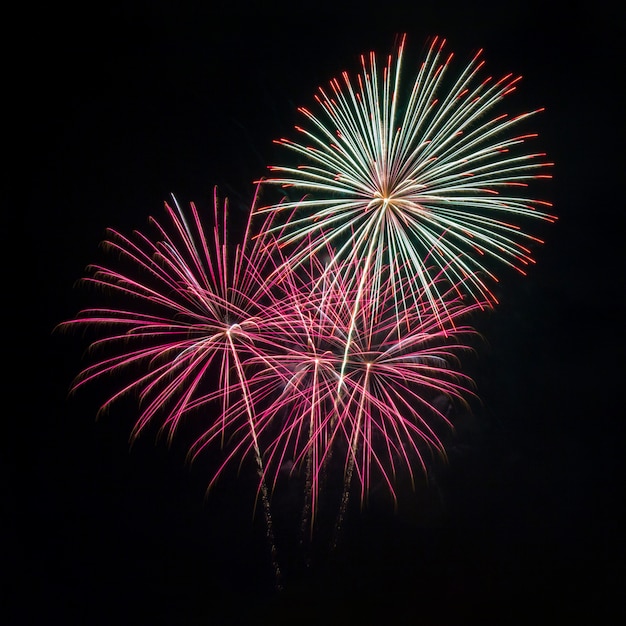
191 313
406 180
323 343
193 307
382 419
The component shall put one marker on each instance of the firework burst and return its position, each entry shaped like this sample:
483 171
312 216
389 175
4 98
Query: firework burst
434 177
383 417
192 312
194 307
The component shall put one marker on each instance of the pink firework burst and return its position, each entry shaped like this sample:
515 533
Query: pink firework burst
192 310
358 383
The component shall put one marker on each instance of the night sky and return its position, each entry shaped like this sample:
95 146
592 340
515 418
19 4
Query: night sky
115 107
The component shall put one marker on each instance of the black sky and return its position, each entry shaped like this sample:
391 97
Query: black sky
115 106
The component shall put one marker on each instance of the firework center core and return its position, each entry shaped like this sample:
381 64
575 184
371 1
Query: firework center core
381 201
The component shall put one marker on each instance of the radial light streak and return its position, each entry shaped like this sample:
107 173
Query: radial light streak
392 178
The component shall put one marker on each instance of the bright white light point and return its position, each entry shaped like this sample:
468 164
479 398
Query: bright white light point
233 328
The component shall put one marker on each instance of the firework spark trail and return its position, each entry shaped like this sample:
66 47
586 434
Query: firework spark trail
423 174
396 373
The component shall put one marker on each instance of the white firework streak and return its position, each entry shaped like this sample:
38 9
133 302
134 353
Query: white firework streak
433 182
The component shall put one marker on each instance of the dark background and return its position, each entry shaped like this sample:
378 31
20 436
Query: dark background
114 106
